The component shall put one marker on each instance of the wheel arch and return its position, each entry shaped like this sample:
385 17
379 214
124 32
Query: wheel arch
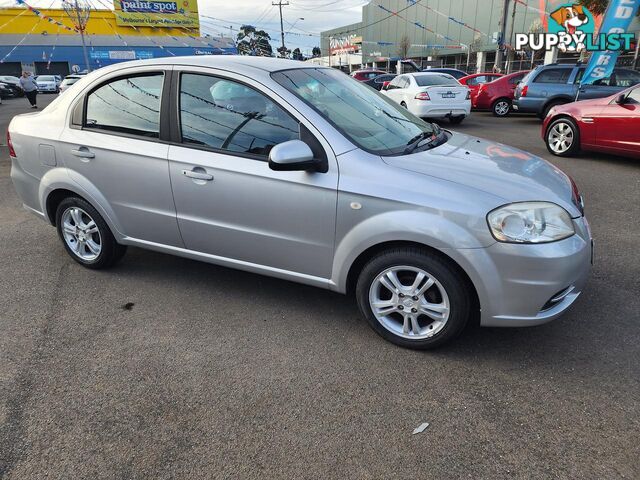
361 260
55 186
557 100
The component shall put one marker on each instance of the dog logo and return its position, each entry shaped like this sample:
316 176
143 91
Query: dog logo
572 19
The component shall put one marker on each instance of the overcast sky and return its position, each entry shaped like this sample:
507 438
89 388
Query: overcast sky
318 15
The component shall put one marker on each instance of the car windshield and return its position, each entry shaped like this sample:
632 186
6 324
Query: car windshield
46 78
372 122
429 79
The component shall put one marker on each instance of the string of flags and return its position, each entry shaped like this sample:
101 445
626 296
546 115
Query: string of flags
423 27
42 16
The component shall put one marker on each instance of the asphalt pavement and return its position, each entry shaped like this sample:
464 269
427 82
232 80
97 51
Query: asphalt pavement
166 368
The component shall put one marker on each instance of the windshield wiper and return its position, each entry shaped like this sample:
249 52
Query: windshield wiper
418 140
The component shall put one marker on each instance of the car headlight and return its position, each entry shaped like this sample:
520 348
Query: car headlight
530 222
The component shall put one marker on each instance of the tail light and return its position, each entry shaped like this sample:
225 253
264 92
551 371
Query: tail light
468 95
523 92
422 96
12 152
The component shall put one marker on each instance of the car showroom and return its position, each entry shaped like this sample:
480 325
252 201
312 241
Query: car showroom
320 239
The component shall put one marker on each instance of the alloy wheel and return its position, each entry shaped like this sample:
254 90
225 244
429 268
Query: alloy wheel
502 108
409 302
81 234
560 137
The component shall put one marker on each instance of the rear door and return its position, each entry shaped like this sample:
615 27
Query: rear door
113 151
229 202
618 125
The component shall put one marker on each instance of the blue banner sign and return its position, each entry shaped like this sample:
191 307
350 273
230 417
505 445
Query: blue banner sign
617 20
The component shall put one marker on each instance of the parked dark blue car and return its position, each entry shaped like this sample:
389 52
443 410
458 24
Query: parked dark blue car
556 84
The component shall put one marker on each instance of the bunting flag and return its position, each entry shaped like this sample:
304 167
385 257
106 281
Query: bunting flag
42 16
419 25
449 18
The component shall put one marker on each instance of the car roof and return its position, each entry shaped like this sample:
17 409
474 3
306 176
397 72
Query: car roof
431 74
237 63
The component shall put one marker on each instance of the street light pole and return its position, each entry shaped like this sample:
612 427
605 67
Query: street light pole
502 34
79 14
281 4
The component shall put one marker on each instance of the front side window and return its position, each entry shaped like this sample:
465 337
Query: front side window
553 75
634 96
128 105
373 122
431 79
227 115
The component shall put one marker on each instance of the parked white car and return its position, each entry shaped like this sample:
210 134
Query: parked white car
47 83
432 95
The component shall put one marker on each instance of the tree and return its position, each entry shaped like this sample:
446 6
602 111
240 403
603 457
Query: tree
284 52
316 52
597 7
253 42
297 54
404 46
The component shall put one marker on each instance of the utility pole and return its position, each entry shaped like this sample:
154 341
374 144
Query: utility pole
281 4
502 35
79 13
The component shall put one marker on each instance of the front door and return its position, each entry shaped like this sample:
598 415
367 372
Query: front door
618 125
115 153
229 202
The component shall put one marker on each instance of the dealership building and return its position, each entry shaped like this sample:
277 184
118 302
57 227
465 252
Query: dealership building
463 34
46 41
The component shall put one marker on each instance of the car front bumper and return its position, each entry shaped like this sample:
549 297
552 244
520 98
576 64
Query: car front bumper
521 285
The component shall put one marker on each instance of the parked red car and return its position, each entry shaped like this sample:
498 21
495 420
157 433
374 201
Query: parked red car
366 74
610 124
497 95
474 81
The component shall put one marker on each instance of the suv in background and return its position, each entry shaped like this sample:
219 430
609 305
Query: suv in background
557 84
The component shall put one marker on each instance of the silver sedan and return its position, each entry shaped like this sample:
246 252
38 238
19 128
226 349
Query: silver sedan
302 173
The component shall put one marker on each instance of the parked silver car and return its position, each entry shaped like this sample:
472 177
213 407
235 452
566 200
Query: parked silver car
302 173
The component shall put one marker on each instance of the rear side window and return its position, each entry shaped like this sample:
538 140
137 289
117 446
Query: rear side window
435 79
227 115
626 78
128 105
553 75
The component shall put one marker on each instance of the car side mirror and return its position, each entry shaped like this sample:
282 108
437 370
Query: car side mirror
621 99
292 155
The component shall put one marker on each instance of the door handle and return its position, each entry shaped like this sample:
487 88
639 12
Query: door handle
83 152
197 175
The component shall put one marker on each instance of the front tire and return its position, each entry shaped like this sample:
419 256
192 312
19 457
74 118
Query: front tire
501 107
85 235
413 298
563 137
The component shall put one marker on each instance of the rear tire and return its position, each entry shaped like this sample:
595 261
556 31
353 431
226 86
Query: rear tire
501 107
421 313
85 235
